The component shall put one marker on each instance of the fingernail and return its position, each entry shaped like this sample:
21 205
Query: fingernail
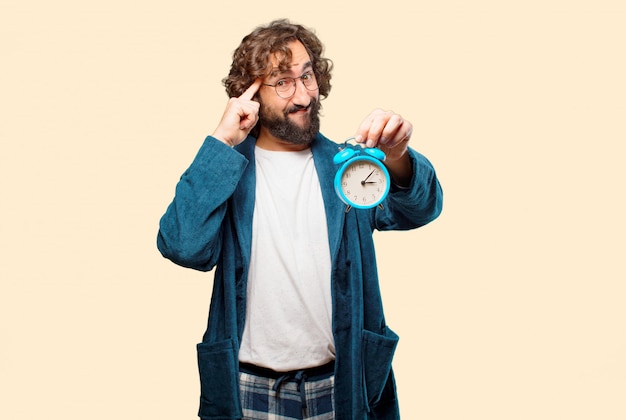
383 140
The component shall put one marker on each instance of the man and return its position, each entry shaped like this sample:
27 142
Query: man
296 327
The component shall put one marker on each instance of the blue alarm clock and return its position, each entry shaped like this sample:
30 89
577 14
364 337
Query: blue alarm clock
362 181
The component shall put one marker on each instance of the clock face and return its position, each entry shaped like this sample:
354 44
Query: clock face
364 183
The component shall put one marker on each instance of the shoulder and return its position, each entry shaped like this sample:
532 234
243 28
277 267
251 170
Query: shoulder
323 146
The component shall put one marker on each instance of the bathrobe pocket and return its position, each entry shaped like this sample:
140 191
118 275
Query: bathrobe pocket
219 386
378 350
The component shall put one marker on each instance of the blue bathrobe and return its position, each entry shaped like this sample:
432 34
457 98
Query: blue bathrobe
209 224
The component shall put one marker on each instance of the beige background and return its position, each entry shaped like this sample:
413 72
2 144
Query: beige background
510 306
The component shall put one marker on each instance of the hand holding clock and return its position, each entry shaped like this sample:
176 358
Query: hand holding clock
390 133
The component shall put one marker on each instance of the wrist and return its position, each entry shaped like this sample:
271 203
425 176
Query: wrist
224 139
401 171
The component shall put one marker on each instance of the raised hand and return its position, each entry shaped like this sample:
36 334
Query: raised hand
240 116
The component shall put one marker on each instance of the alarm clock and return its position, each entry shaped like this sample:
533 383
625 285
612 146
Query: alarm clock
362 181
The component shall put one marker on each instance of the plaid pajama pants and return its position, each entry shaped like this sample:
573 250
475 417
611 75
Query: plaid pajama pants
293 395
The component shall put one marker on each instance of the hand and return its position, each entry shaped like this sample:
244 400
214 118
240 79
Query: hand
390 133
386 130
240 116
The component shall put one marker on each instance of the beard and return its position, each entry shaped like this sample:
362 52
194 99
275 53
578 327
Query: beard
280 126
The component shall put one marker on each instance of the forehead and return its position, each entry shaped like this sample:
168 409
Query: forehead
299 58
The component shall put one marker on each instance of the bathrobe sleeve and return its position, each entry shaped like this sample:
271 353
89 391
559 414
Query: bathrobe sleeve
189 231
415 206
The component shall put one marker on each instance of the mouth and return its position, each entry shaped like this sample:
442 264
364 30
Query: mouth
299 110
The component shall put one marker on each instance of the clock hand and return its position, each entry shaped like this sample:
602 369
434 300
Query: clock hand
366 178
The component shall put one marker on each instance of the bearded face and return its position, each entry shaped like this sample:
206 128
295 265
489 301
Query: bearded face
280 124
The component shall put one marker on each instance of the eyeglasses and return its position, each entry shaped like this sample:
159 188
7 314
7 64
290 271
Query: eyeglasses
286 87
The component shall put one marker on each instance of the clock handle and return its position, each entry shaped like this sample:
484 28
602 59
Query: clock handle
372 151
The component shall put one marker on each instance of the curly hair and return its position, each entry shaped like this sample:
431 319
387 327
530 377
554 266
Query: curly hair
252 59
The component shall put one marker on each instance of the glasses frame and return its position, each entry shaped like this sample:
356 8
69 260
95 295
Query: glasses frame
295 82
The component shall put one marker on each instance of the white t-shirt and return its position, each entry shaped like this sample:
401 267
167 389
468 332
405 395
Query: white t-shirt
289 309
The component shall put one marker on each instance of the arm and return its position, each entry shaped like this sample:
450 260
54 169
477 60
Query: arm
415 205
416 197
189 233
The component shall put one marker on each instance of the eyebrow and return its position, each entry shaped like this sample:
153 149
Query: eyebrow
277 72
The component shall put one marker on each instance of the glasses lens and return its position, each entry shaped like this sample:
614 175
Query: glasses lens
309 81
285 88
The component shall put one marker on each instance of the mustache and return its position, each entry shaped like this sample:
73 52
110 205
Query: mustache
297 108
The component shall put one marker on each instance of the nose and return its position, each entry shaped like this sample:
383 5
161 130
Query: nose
302 96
